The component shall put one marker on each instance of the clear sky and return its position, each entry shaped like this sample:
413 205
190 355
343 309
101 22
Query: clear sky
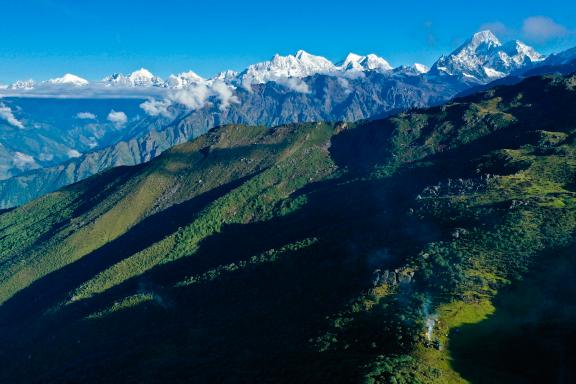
93 38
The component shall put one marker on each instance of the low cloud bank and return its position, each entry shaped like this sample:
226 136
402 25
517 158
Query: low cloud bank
91 91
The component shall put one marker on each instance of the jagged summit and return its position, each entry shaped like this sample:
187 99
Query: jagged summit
371 62
184 80
226 76
420 68
483 58
139 78
302 64
483 39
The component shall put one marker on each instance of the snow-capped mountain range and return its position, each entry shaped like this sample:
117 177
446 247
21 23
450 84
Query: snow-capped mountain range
49 141
481 59
139 78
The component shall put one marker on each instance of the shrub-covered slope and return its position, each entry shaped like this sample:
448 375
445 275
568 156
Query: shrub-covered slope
430 247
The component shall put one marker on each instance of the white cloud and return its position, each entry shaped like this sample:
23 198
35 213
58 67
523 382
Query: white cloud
225 94
73 154
294 84
542 29
119 119
154 107
192 98
352 75
7 115
345 85
247 85
86 116
22 160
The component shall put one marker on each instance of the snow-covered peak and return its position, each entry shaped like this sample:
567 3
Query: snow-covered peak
184 80
520 52
371 62
420 68
475 50
483 39
415 69
144 78
69 79
352 62
314 62
139 78
300 65
226 76
484 58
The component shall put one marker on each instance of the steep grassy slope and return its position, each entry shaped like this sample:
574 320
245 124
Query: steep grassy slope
393 251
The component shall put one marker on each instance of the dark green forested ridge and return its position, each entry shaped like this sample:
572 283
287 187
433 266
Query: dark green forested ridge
435 246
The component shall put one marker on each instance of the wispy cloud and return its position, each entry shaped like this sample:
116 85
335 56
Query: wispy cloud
498 28
294 84
431 38
225 95
7 115
86 116
542 29
345 85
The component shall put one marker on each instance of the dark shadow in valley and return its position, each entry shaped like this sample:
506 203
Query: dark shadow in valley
531 337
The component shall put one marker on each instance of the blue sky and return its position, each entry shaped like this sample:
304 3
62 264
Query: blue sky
45 38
